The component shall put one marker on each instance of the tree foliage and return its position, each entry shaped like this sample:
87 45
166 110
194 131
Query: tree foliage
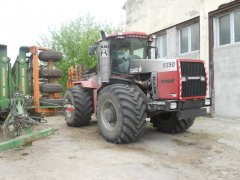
73 39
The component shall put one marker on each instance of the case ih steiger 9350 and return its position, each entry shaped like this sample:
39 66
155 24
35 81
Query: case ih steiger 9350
128 87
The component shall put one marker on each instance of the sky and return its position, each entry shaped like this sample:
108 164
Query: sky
22 22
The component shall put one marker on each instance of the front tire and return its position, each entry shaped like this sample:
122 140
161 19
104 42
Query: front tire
169 123
78 106
121 113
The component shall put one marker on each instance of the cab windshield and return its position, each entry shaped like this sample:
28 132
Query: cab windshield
124 50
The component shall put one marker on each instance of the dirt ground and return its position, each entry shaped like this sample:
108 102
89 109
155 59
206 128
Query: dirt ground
210 149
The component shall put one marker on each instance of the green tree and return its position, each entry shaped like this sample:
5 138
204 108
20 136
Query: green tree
73 39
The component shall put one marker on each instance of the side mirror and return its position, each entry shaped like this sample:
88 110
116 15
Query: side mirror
91 50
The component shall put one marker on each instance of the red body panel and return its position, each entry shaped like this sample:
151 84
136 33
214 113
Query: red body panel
168 83
86 84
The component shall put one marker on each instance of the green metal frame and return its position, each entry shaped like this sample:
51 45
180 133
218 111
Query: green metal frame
26 139
20 72
6 84
18 117
16 84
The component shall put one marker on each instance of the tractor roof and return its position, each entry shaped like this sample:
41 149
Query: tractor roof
129 34
132 34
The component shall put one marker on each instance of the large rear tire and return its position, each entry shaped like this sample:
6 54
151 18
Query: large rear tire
169 123
121 113
78 106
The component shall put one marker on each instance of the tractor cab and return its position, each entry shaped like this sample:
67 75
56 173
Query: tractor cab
114 52
124 49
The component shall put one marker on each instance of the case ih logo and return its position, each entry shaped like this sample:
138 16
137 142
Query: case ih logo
136 70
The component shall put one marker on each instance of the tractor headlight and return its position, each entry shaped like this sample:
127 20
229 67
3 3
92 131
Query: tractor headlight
202 78
207 102
184 79
173 105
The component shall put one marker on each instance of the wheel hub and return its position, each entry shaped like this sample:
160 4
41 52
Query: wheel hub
108 115
69 109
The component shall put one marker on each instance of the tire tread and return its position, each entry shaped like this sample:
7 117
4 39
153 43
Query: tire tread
133 108
173 125
83 104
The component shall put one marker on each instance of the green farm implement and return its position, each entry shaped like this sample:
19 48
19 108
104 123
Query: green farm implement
28 90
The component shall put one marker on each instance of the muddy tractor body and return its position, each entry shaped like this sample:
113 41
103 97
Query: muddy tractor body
128 86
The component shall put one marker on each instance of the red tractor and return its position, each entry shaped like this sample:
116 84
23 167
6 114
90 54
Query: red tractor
127 86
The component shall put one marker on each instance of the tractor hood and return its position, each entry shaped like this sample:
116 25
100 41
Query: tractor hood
138 66
176 79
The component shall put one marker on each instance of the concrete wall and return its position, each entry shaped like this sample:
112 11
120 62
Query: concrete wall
227 80
137 12
172 42
154 15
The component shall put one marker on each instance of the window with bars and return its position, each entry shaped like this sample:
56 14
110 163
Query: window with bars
228 28
189 38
